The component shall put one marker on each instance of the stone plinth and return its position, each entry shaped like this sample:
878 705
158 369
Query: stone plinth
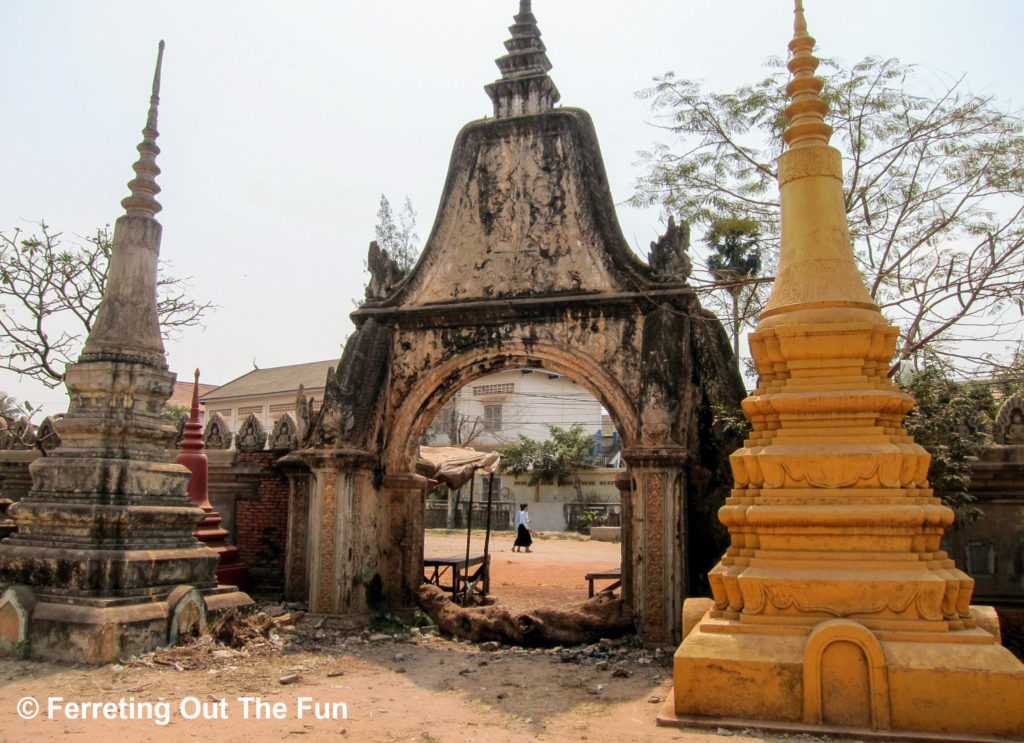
104 546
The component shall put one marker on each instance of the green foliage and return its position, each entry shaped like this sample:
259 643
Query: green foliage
934 191
734 260
560 456
175 414
1009 380
730 421
398 239
952 420
421 619
11 410
587 519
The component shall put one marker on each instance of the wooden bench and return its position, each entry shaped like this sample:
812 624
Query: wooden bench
613 574
453 573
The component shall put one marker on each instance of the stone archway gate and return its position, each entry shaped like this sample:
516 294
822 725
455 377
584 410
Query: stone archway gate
525 267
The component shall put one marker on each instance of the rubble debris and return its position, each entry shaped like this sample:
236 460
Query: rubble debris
237 630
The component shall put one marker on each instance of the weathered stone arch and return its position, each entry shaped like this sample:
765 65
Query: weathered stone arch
525 266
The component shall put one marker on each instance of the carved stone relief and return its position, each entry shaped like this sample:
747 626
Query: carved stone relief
251 435
284 435
217 433
385 273
670 254
517 229
1008 428
47 436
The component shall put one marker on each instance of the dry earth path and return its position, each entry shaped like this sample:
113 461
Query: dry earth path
311 681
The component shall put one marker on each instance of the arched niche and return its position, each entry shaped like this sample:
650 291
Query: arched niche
845 677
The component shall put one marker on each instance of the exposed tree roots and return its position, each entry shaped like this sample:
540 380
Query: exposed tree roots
601 616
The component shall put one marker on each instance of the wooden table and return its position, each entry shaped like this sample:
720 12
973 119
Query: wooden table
613 574
453 573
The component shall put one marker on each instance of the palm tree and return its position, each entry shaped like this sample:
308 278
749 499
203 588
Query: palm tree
10 409
736 259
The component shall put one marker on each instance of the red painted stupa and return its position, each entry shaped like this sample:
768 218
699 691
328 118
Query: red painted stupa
230 572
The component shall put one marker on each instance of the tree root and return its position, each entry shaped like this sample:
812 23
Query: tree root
601 616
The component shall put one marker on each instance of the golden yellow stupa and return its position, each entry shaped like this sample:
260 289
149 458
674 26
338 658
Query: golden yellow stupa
835 606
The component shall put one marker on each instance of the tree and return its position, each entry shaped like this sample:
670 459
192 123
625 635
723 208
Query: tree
952 420
934 186
398 239
462 429
563 455
50 291
10 409
735 260
175 415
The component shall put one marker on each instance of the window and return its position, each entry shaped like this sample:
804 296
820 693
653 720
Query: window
256 410
492 417
493 389
481 486
279 409
981 558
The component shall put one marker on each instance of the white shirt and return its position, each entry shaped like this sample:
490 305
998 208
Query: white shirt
523 519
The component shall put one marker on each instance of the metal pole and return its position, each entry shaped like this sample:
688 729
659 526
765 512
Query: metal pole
469 516
487 534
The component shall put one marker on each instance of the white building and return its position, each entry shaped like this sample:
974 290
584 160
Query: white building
494 410
268 393
485 415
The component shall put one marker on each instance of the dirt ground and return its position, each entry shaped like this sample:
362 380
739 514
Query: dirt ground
550 575
310 678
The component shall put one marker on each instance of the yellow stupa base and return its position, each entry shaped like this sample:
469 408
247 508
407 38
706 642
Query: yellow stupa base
840 676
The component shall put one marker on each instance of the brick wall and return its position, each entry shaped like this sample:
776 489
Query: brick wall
261 519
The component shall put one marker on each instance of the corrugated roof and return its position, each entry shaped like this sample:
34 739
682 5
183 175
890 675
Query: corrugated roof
276 380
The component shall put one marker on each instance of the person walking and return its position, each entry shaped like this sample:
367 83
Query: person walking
523 530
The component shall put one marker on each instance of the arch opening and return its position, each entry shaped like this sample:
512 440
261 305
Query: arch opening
486 401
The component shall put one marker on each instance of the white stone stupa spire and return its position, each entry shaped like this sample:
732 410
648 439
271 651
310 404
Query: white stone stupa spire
127 326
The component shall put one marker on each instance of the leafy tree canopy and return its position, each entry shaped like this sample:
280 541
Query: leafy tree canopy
735 258
11 410
952 420
560 456
398 238
934 192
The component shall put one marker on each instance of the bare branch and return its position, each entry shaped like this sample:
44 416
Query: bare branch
50 291
934 191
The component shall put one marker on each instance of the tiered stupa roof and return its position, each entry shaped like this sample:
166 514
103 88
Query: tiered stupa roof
525 87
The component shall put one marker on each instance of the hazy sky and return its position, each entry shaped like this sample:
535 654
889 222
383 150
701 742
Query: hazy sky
282 123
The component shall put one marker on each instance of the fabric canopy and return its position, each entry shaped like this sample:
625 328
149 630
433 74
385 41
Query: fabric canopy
453 465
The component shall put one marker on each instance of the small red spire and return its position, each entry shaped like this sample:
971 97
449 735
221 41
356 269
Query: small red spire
192 454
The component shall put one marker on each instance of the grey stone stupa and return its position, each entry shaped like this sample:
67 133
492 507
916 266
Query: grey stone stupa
104 563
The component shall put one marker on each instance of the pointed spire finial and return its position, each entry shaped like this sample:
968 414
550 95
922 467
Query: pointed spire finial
525 87
817 280
144 188
195 398
807 111
799 23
